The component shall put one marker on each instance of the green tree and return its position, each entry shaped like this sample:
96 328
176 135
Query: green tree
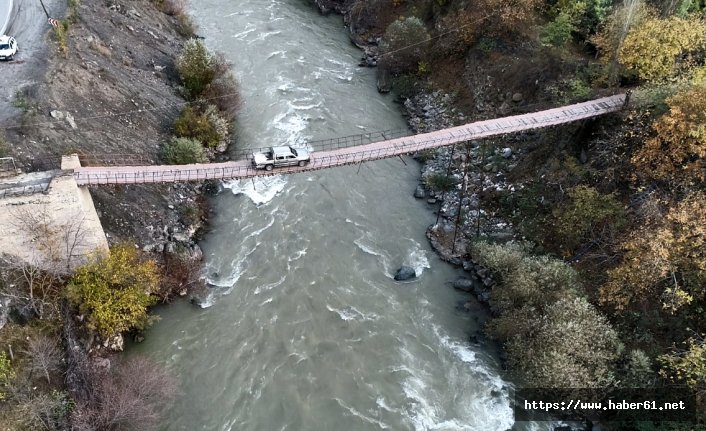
198 67
404 45
558 31
114 292
527 281
553 337
575 16
570 346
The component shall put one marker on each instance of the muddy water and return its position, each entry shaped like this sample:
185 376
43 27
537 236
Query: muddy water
305 329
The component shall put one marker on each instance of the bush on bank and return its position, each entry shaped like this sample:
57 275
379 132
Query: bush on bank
213 94
552 335
183 151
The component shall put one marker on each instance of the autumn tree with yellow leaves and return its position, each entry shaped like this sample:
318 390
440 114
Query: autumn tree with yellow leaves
665 263
114 292
677 153
654 49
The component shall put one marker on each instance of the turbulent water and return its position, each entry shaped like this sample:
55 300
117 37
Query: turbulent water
304 327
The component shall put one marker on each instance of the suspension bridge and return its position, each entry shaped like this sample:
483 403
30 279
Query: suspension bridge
350 150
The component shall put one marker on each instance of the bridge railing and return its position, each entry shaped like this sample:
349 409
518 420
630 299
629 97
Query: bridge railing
8 167
29 189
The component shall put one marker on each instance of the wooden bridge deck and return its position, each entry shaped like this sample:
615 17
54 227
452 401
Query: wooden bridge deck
351 155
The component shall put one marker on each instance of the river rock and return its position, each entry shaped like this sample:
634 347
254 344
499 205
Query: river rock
419 192
463 284
507 153
116 343
517 97
57 114
383 81
195 252
405 273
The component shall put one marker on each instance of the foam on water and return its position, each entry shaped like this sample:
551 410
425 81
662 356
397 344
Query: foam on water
269 286
365 418
260 190
351 313
416 257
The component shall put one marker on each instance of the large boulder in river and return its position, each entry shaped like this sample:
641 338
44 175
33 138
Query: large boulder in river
463 284
419 192
405 273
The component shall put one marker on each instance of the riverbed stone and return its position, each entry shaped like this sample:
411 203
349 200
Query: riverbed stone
419 192
463 284
405 273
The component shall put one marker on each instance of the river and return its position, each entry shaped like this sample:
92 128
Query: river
305 328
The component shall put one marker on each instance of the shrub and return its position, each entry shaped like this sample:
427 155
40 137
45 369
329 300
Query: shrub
61 34
587 214
6 373
439 182
129 396
638 370
4 148
224 93
183 151
46 411
527 281
220 125
181 275
196 126
114 292
404 45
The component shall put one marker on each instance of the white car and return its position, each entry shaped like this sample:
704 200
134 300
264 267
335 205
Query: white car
8 48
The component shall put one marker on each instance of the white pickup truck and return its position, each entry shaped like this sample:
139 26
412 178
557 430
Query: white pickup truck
276 157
